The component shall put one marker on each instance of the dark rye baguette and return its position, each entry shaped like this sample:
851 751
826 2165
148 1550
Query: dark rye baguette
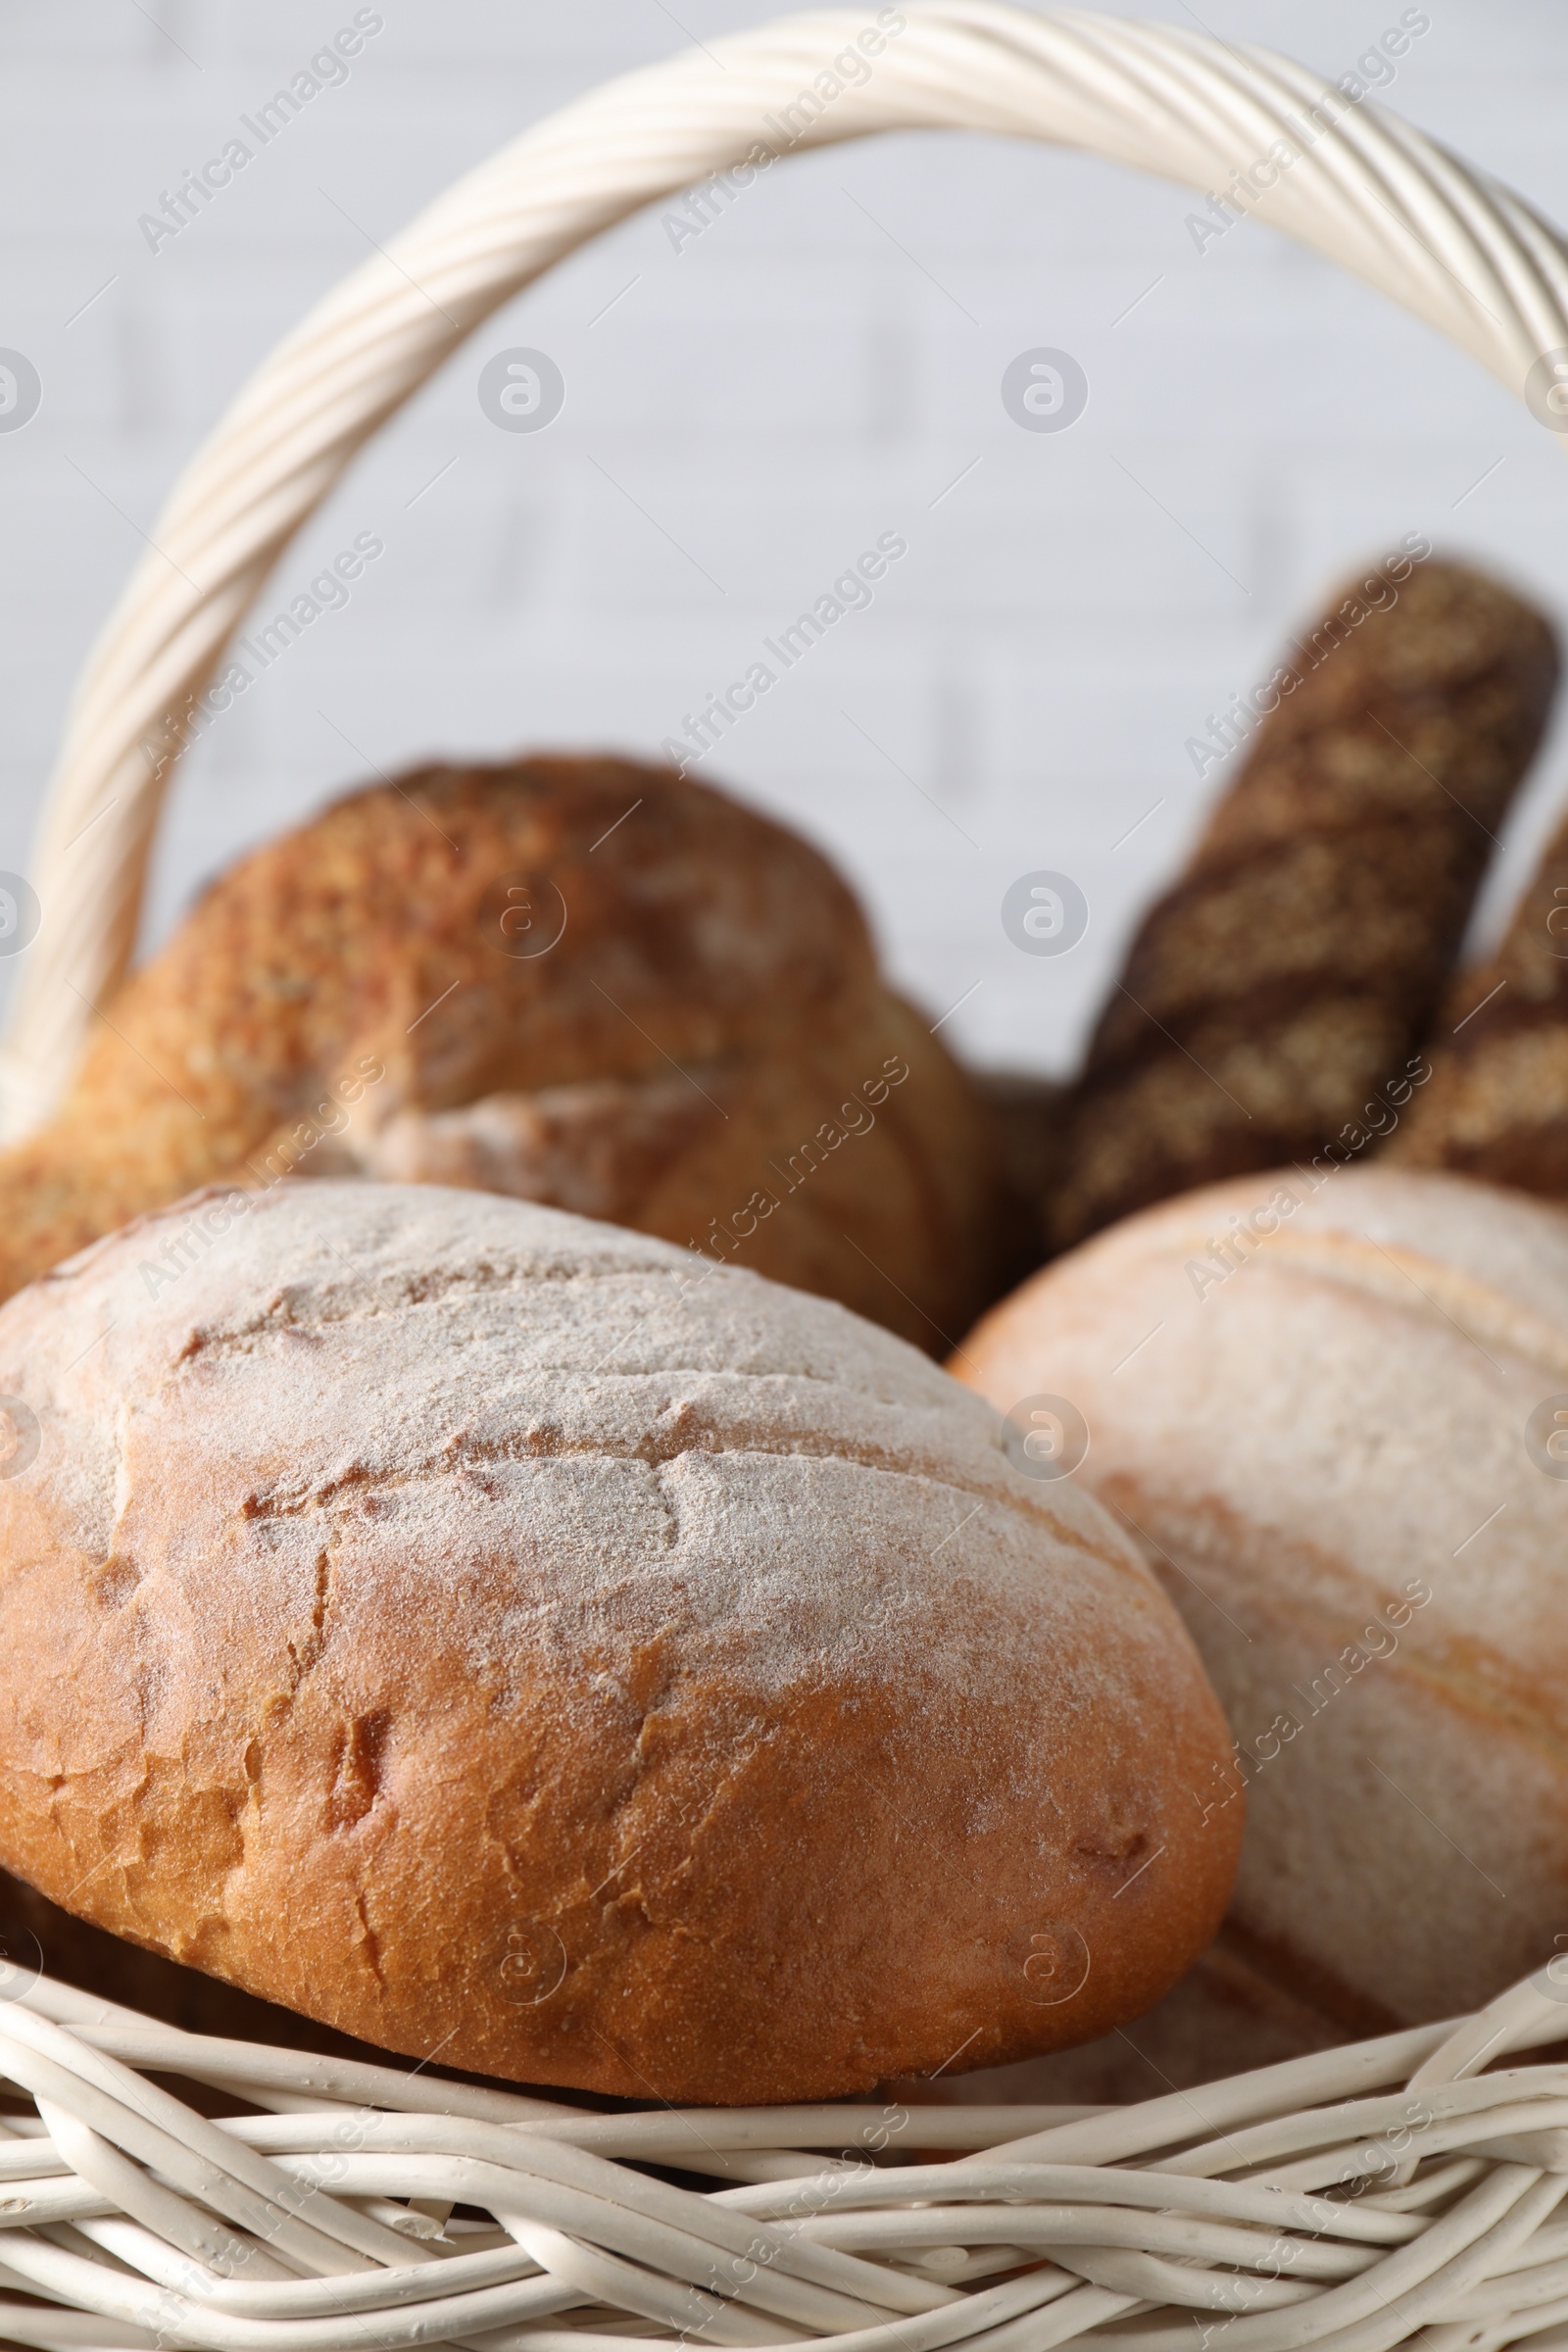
1300 959
1497 1103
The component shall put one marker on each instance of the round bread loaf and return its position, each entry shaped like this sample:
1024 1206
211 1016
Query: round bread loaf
585 981
489 1630
1331 1406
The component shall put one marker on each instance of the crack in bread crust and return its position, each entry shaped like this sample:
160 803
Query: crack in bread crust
755 1676
1420 1284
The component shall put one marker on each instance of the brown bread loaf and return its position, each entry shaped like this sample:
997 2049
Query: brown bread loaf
479 1629
1302 956
582 981
1498 1102
1333 1409
1026 1114
1226 2017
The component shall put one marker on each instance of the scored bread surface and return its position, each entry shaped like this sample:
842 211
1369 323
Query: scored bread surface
480 1627
1291 971
1336 1455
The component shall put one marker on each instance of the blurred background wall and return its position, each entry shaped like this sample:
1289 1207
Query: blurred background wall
747 406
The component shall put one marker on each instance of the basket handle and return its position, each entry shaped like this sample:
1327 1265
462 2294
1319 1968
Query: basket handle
1399 210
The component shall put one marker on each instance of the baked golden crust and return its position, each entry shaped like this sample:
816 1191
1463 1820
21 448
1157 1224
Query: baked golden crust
1327 1405
708 1034
36 1935
451 1619
1302 956
1229 2015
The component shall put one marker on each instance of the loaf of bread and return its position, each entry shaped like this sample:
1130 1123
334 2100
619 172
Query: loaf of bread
482 1629
37 1937
1498 1102
580 981
1026 1116
1228 2015
1300 961
1333 1409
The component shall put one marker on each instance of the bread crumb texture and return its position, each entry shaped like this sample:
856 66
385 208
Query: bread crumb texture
487 1630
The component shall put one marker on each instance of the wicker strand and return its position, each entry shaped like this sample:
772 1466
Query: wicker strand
1258 2211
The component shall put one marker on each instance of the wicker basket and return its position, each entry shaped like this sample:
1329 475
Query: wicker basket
1351 2198
1455 248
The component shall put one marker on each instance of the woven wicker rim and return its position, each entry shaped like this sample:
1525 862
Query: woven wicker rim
1350 2200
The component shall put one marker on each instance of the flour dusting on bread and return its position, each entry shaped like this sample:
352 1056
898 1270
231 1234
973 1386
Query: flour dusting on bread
430 1568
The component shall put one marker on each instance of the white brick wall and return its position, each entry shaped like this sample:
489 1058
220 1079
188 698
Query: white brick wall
774 396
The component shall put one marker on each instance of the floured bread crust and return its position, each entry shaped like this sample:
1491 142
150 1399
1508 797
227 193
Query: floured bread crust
584 981
1323 1403
470 1626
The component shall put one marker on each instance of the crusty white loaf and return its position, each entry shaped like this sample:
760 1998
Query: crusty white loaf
1326 1404
491 1631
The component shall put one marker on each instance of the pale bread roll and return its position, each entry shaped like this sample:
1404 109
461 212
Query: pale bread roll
1305 1446
487 1630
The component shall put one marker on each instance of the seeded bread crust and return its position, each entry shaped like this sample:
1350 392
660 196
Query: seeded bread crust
1302 954
1498 1102
702 1046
